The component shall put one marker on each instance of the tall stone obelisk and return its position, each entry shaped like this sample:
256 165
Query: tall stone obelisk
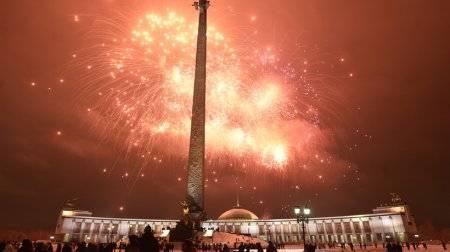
195 182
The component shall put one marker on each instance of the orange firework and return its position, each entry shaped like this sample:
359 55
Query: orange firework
259 110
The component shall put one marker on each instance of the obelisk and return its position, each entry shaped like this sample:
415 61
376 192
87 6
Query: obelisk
195 181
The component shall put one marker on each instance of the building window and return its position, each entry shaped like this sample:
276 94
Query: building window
338 227
278 229
75 238
87 228
379 237
114 228
132 229
357 227
286 228
329 228
105 228
366 226
347 227
141 228
294 228
76 228
320 228
262 230
96 228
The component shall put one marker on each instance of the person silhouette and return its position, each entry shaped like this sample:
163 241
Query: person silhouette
133 245
188 246
82 247
148 242
271 247
259 247
27 246
92 247
66 248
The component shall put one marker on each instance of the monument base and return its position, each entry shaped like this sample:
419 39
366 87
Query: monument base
184 230
196 218
188 227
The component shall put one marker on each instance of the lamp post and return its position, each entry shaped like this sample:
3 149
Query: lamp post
302 217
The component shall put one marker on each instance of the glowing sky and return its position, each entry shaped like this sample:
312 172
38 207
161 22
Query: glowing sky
381 125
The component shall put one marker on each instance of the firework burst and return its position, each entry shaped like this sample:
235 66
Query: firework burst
262 111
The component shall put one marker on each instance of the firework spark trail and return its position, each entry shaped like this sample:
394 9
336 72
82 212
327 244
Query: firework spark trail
259 109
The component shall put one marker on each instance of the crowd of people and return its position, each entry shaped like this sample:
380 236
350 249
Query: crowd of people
147 242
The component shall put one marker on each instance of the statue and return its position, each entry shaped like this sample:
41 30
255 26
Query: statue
185 206
395 199
70 204
185 227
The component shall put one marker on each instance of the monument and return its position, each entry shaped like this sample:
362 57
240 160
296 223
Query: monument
193 207
195 181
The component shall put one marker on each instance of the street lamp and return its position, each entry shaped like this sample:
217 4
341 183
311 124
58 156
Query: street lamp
302 216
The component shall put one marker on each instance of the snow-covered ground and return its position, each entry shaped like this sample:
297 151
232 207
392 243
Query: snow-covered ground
231 239
299 248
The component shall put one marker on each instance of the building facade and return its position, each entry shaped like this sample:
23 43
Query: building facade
389 223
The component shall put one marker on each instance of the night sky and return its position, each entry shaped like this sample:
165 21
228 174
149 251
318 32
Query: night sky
393 113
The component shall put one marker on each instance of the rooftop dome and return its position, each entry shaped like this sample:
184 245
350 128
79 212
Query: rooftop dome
238 213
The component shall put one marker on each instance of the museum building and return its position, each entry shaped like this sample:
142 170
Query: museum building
387 223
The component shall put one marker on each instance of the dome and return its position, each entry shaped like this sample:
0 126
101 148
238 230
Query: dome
238 213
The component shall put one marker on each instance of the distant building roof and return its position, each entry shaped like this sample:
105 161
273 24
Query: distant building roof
66 212
238 213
